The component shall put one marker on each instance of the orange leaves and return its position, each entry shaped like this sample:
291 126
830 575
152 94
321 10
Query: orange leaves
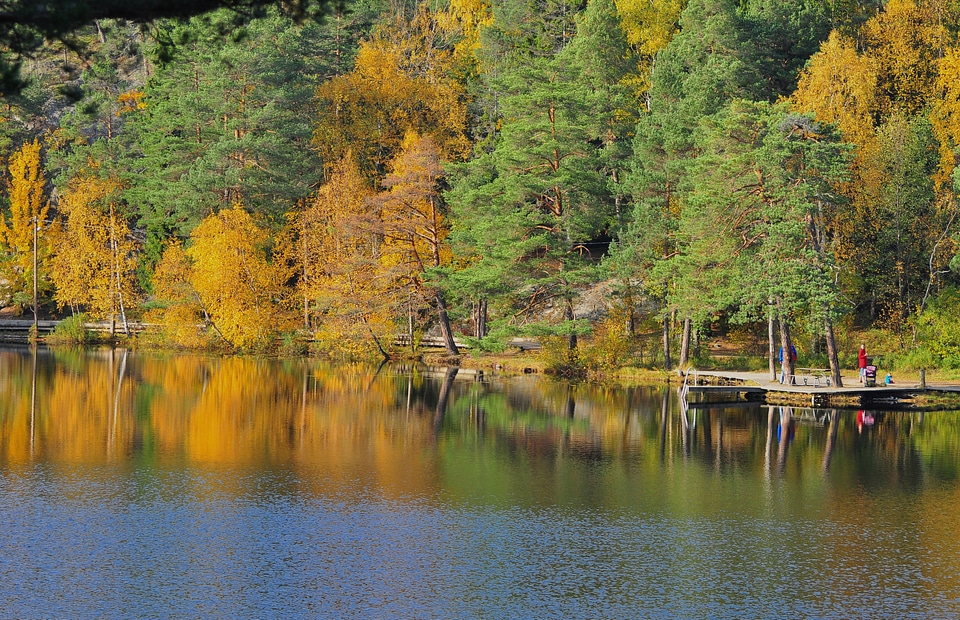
335 245
898 70
413 223
182 314
130 102
905 40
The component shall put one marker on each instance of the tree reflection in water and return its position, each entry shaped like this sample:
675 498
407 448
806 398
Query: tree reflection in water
517 475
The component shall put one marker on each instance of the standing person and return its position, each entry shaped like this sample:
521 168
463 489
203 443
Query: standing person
783 365
862 361
783 369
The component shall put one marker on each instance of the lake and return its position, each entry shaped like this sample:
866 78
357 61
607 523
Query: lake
185 486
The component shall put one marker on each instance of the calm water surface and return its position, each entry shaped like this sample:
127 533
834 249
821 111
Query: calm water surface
134 485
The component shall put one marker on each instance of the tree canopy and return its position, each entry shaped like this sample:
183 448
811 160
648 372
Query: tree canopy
248 174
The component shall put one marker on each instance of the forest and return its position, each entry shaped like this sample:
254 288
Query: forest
623 180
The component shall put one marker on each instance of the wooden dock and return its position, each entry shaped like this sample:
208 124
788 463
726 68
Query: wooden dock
18 330
715 388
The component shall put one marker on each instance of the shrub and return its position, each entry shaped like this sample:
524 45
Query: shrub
608 348
294 344
71 330
559 359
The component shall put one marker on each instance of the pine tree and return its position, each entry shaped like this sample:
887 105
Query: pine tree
533 211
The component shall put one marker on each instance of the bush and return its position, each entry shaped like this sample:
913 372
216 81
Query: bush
71 330
488 344
294 344
559 359
938 336
608 348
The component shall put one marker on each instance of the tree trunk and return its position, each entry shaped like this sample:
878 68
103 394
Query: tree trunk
116 276
771 339
113 265
685 342
376 340
410 326
445 329
306 313
568 314
480 318
303 258
666 343
787 366
832 351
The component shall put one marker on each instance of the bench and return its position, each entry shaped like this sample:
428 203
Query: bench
816 377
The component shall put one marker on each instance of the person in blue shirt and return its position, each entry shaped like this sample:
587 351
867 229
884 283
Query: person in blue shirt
793 358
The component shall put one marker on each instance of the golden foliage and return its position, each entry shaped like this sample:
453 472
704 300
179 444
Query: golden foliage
905 40
95 262
839 86
415 228
27 207
181 315
608 347
945 113
236 285
333 246
467 19
401 81
648 26
130 102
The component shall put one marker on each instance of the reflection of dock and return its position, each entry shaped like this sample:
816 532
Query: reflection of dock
713 388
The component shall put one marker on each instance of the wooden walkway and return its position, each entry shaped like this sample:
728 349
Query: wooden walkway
18 330
707 388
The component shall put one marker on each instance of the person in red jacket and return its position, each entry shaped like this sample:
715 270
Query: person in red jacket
862 361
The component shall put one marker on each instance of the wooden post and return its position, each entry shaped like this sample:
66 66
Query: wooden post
772 347
923 379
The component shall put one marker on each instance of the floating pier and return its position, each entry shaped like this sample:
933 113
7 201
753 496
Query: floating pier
718 388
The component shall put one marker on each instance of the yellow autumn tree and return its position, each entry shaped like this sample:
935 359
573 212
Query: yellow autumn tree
94 267
235 284
465 20
180 314
28 208
945 113
838 86
415 226
332 246
401 81
649 25
905 41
